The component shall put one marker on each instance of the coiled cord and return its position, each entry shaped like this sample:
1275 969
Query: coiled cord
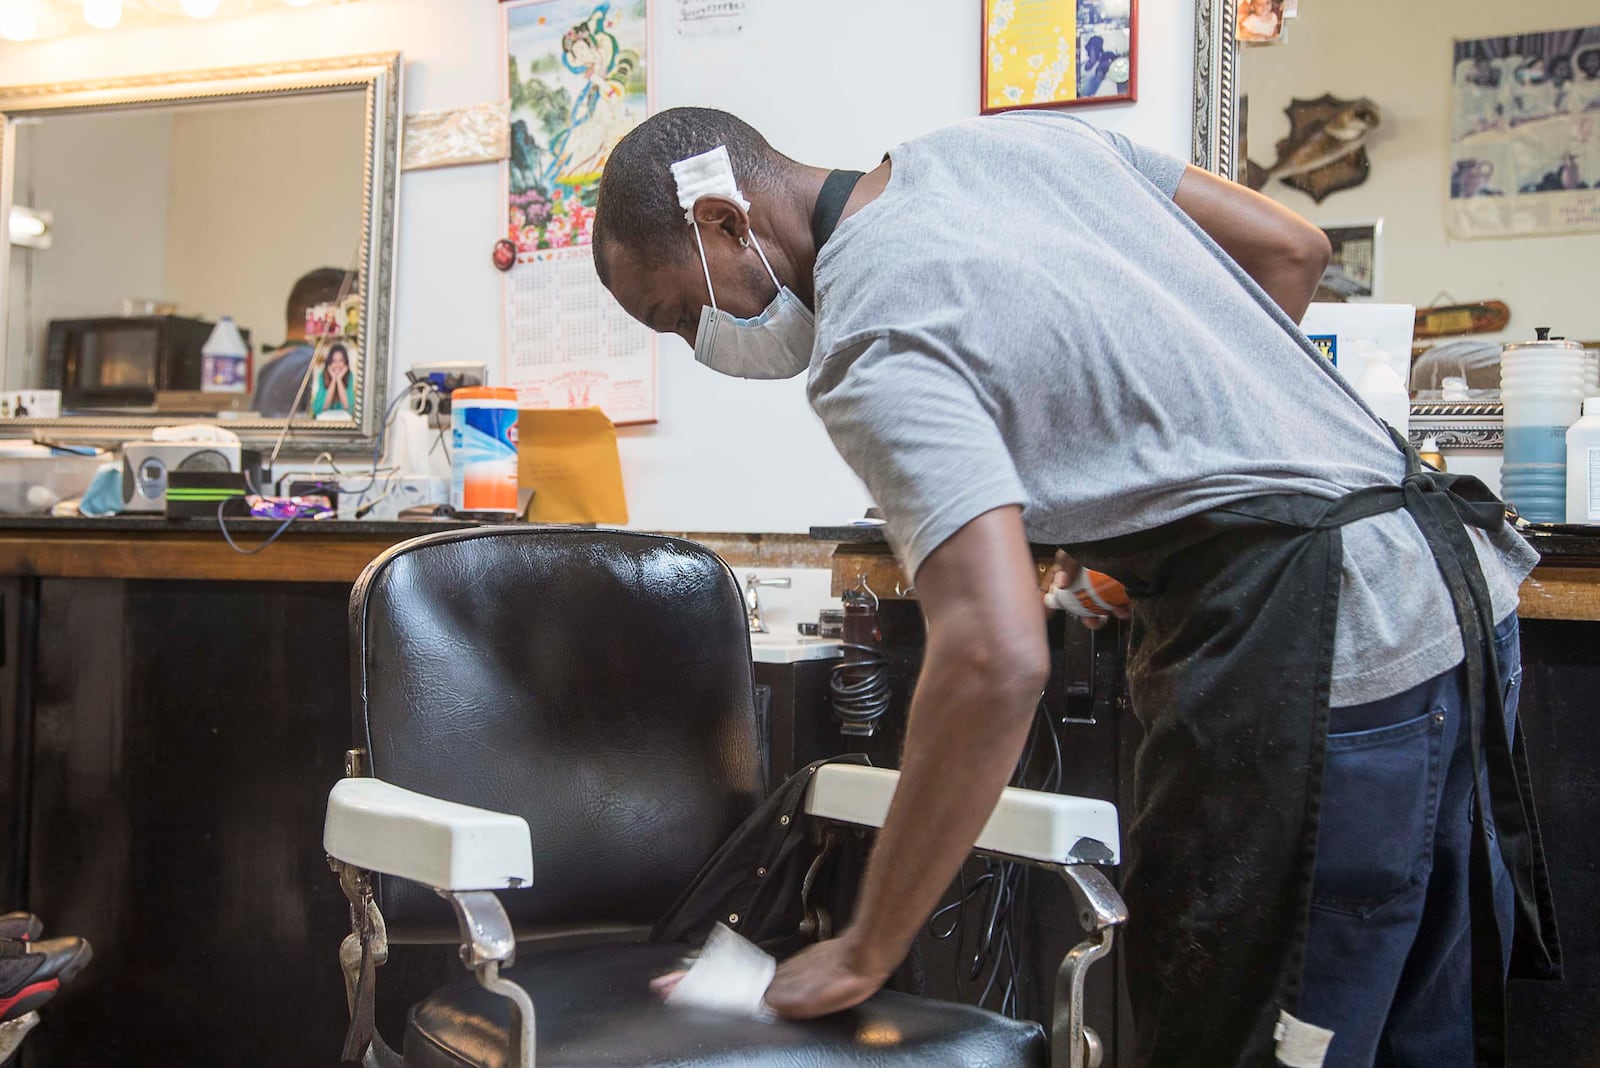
859 689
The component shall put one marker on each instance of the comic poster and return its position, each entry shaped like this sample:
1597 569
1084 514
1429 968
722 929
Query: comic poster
577 80
1525 135
1054 53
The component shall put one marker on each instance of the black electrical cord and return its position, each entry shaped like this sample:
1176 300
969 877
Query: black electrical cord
383 431
223 526
859 689
1002 888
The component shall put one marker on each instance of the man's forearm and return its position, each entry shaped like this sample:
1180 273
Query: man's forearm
966 730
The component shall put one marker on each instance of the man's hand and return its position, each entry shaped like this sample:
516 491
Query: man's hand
825 978
1061 575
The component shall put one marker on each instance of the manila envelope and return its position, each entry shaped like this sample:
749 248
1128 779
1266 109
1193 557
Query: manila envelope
569 459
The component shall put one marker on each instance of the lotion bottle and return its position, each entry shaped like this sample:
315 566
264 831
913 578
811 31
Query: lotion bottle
1383 390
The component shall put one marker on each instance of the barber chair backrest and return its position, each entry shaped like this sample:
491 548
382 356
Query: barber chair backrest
596 683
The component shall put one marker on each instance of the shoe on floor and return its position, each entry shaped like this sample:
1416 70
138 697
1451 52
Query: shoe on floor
32 972
20 927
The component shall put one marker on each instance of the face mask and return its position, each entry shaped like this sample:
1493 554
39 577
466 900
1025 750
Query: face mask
775 344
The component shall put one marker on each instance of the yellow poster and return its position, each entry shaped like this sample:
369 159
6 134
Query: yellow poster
1042 53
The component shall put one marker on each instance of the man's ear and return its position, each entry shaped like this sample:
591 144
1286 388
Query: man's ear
718 213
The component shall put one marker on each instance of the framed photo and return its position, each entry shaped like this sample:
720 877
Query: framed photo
1058 53
1265 21
1352 273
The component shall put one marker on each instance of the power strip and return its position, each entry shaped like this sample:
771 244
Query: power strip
384 498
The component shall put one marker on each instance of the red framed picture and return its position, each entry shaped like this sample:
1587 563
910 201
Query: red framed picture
1058 53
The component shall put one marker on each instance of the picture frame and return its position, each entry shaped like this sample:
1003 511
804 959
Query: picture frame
1265 22
1355 273
1057 53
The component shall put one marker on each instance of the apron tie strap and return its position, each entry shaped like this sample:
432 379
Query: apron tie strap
1443 506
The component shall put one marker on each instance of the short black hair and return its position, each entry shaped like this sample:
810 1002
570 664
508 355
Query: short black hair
320 286
637 206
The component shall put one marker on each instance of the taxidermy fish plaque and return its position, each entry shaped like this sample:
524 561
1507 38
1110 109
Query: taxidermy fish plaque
1326 147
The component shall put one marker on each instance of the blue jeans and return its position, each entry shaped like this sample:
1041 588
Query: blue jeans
1388 964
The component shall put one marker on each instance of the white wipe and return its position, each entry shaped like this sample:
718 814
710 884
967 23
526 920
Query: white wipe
1300 1045
708 174
731 976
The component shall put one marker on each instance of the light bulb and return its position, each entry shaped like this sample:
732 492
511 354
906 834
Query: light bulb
26 223
18 20
102 14
200 9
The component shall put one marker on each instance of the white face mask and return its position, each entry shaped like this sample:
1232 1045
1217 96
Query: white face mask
775 344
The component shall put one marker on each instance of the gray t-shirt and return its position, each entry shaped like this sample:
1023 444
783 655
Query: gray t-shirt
1023 316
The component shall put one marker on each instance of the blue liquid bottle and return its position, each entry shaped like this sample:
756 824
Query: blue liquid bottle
1542 386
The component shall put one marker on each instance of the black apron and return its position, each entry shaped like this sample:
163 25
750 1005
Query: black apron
1229 671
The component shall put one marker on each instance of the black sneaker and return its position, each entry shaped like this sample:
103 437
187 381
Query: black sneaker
20 927
32 972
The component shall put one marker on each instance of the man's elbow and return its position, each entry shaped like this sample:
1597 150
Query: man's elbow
1012 670
1311 252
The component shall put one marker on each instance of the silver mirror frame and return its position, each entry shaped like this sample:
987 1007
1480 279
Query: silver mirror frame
1214 144
379 76
1215 147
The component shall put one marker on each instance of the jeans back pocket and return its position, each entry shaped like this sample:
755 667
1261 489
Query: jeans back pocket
1380 803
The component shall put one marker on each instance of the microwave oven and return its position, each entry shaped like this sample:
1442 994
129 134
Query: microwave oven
124 362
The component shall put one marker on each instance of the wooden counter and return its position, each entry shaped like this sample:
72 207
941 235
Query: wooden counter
157 548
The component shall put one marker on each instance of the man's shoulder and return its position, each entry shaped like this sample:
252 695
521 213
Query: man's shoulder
286 358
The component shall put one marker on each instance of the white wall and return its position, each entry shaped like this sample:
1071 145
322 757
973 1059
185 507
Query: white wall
832 82
1399 55
105 178
261 193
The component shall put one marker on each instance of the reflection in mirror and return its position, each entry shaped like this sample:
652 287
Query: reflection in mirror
166 220
1452 175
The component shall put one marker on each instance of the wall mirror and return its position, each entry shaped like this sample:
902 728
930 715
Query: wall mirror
1452 150
137 213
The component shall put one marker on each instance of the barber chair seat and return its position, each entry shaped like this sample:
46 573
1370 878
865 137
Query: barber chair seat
595 1008
554 731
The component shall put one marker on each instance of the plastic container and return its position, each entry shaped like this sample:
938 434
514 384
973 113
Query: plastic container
1383 390
1542 388
1091 595
1583 465
483 456
33 478
224 360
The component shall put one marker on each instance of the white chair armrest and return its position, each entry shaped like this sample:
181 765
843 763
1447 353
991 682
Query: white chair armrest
1027 824
381 827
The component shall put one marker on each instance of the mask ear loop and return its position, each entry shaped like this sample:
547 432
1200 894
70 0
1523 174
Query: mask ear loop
712 293
770 272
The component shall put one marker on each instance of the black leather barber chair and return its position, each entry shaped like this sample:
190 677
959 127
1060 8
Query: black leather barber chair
554 731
